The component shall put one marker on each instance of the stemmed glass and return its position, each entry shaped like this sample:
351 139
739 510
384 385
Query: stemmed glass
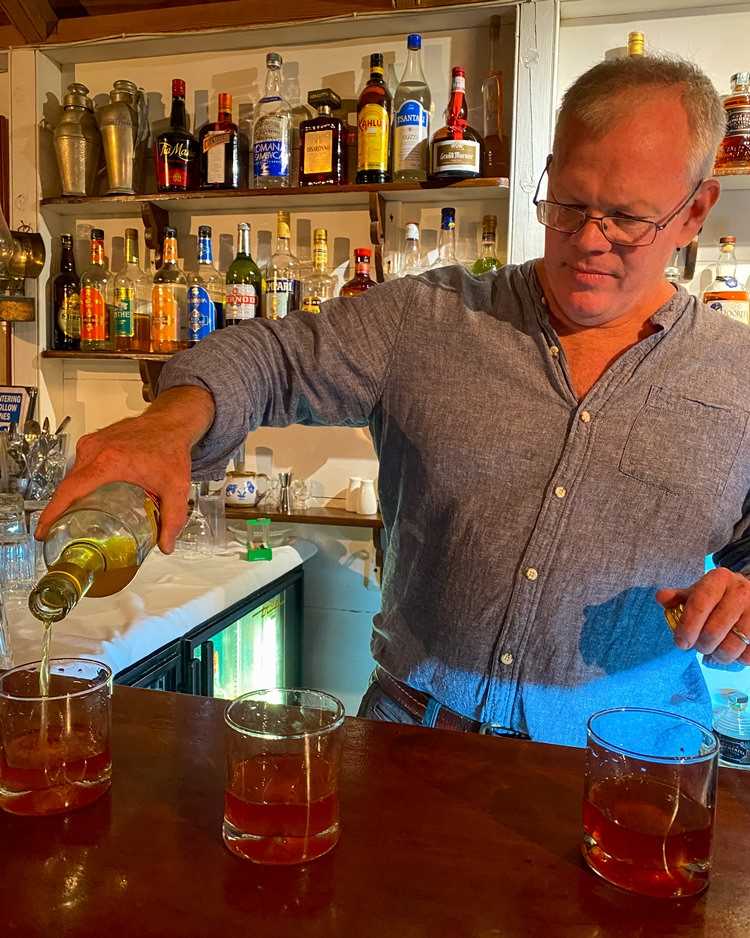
196 538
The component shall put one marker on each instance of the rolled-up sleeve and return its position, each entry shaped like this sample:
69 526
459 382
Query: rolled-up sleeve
325 370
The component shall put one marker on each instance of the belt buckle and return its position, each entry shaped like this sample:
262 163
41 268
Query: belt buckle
488 729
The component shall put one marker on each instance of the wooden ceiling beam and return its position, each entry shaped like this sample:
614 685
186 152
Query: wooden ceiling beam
33 19
224 14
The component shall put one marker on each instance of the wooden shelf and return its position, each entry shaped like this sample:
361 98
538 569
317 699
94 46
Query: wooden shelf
733 183
329 516
114 206
108 356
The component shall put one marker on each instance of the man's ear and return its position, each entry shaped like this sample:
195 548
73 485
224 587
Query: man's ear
705 199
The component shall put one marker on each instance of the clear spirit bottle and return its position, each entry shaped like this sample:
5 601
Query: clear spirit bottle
96 298
244 282
95 548
169 325
446 240
132 311
272 131
205 291
281 291
411 256
411 118
319 286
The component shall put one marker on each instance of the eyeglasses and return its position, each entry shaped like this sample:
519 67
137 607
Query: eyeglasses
617 229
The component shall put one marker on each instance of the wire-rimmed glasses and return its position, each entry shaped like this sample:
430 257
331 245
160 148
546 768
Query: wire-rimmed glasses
625 230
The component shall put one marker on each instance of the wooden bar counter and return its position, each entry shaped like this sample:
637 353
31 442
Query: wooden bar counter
443 835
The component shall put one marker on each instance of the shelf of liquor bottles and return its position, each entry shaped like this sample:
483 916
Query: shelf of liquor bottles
233 201
108 356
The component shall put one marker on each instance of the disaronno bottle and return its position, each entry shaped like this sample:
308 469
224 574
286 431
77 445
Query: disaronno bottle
95 548
374 126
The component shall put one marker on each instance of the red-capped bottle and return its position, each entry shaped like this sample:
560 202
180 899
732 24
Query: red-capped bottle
361 280
219 144
176 151
456 149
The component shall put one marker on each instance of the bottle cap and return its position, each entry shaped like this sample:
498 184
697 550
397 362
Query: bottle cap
170 233
97 234
728 239
131 233
273 60
489 223
376 62
243 226
458 70
324 97
225 101
636 42
448 218
320 234
364 253
414 41
204 231
734 719
741 78
412 231
178 88
67 240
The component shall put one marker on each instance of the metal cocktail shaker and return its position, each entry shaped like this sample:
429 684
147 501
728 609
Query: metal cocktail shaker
123 123
77 142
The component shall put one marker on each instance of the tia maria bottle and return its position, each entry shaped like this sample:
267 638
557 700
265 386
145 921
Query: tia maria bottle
176 151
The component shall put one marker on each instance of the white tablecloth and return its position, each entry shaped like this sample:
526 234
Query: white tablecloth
169 597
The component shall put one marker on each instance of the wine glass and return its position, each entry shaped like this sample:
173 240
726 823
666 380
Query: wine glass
196 538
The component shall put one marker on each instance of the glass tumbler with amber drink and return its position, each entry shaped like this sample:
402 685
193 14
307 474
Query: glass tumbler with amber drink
649 801
283 750
55 752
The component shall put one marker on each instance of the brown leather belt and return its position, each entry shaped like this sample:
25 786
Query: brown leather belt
415 703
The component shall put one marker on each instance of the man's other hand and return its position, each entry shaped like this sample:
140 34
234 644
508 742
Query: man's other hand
717 613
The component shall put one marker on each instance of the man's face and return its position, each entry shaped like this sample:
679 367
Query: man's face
638 169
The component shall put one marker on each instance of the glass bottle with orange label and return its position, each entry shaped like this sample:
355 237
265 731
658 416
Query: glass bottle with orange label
96 298
361 281
169 316
374 126
322 142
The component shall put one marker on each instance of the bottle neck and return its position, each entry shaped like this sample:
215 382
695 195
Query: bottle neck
243 242
205 251
447 243
170 250
178 115
320 256
67 260
97 253
457 110
376 76
411 246
66 581
488 245
131 251
273 84
225 116
414 73
361 266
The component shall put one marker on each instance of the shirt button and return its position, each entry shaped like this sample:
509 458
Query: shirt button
506 658
585 416
561 491
531 573
554 351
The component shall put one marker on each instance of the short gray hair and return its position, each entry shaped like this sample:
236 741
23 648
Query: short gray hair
591 97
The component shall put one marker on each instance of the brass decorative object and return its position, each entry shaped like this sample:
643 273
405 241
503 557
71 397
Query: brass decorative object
77 142
123 123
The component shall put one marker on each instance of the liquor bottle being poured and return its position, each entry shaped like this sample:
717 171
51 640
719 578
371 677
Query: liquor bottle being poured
95 548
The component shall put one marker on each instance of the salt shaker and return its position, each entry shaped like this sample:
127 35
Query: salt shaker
352 494
368 500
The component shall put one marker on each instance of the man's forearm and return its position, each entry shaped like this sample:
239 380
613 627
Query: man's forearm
188 409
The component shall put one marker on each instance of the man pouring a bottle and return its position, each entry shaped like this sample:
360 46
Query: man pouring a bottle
561 443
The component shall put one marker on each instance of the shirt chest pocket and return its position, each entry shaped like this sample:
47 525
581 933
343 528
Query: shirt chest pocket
683 445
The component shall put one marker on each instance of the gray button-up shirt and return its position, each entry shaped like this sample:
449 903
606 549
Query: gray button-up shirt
527 530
